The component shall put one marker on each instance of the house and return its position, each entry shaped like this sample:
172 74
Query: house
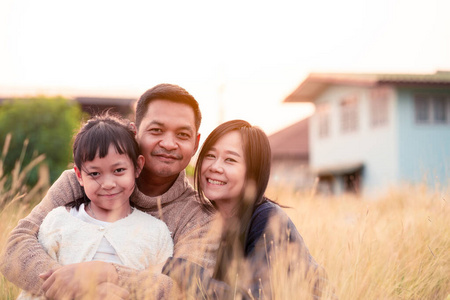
290 157
95 105
370 132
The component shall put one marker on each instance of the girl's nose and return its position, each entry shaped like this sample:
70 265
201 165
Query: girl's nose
108 184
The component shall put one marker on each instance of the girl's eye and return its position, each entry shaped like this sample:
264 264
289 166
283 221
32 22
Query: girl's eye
94 174
120 170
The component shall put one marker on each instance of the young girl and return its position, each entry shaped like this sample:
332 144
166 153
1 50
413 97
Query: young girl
103 225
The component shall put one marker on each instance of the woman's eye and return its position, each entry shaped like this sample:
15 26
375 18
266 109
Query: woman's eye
209 155
120 170
230 160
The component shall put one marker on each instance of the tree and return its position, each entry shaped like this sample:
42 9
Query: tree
39 126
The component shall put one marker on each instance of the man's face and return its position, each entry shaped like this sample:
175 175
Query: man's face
167 138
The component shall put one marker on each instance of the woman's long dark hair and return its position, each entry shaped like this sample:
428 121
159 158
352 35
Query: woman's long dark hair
95 137
257 153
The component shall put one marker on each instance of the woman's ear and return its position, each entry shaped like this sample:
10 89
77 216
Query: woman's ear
78 173
140 165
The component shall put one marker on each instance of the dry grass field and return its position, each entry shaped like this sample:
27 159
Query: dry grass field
396 247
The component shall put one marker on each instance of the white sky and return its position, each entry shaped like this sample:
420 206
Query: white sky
244 56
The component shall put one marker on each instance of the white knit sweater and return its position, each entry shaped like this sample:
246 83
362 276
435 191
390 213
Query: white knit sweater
140 240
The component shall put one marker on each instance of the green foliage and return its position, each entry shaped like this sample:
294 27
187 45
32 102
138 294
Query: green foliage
44 126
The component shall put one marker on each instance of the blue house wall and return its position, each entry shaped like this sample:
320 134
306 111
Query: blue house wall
424 149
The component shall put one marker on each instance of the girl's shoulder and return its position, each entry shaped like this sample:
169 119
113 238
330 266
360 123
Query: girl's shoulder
57 218
60 211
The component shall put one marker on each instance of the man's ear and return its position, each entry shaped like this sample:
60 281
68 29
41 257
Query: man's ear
140 165
78 173
197 142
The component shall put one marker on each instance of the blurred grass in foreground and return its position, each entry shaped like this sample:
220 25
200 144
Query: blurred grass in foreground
394 248
397 247
17 200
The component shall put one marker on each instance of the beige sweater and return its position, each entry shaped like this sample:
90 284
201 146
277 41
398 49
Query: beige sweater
24 258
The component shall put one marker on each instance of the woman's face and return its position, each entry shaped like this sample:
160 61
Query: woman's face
223 172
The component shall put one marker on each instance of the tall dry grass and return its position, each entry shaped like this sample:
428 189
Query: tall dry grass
397 247
17 200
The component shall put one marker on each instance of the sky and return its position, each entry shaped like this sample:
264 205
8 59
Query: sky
239 59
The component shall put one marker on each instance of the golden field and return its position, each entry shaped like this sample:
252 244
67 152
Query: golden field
395 247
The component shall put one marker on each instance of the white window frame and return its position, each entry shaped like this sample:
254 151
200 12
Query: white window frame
349 112
323 120
379 107
428 102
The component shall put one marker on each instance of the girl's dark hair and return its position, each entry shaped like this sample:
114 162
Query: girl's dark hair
257 153
95 137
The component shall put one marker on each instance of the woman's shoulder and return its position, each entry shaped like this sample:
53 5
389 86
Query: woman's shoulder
271 217
266 209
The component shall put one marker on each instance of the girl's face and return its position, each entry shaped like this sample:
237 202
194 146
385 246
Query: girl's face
223 172
108 183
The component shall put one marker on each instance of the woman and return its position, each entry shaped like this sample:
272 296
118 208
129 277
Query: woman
258 238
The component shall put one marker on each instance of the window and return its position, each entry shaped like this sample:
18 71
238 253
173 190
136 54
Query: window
440 110
432 109
379 107
349 114
422 105
323 117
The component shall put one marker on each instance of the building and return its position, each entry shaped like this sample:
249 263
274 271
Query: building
290 157
373 131
96 105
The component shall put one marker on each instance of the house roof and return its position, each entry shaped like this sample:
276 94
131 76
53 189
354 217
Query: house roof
291 141
105 101
316 83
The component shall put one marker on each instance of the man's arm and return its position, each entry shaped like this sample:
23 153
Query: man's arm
195 243
24 258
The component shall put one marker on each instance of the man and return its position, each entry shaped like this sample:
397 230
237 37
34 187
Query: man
167 122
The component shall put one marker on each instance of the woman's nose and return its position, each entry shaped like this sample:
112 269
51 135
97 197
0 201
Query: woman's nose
216 166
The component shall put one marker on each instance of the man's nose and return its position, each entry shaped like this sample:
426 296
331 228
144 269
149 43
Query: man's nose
168 142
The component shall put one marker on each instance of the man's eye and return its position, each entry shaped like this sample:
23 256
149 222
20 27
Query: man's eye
184 135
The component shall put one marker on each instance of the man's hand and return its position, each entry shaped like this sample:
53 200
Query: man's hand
108 290
78 280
